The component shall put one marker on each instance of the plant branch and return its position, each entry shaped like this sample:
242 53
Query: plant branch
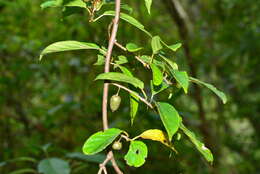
106 84
134 93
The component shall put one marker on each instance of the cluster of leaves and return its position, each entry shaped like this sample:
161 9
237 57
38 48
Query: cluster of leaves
165 74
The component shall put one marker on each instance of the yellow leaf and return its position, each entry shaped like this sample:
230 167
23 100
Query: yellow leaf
157 135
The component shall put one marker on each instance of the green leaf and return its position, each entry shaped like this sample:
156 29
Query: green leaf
126 18
182 78
170 118
156 44
121 78
131 47
134 100
173 47
67 46
157 75
158 89
76 3
199 145
172 64
100 140
100 60
51 3
53 166
136 154
121 60
220 94
148 59
21 171
148 4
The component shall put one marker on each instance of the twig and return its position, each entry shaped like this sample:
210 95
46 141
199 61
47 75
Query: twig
132 92
106 84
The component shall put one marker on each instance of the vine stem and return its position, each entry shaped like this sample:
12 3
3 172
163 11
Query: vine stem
111 44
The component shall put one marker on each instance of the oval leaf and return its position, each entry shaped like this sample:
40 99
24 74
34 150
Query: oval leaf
156 44
220 94
131 47
199 145
67 46
170 118
121 78
100 140
53 166
182 78
157 75
136 154
148 4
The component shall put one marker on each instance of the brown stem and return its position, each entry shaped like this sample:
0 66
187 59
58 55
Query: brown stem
106 84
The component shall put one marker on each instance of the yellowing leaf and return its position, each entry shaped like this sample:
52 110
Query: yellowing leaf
157 135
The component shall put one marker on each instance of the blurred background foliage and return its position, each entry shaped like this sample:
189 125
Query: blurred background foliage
49 108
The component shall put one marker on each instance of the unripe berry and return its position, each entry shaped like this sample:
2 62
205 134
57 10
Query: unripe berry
115 102
117 145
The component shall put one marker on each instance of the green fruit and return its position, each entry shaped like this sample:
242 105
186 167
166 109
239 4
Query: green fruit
115 102
117 145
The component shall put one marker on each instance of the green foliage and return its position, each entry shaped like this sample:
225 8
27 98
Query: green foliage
53 166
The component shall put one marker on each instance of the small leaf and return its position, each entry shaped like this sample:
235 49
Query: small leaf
158 89
156 44
121 78
136 154
51 3
182 78
157 75
175 47
126 18
53 166
100 60
220 94
148 4
170 118
131 47
199 145
172 64
100 140
67 46
121 60
76 3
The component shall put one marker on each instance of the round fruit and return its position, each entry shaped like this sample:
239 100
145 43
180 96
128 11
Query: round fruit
117 145
115 102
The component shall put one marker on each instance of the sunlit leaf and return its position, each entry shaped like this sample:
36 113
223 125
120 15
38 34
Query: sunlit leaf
219 93
121 60
156 44
67 46
121 78
53 166
100 60
100 140
199 145
131 47
136 154
76 3
182 78
170 118
148 4
157 75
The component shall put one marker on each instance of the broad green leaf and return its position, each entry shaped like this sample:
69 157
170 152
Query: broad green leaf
126 18
100 140
148 4
136 154
131 47
148 59
182 78
199 145
157 75
21 171
76 3
121 60
67 46
220 94
121 78
156 44
134 100
172 64
53 166
170 118
100 60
